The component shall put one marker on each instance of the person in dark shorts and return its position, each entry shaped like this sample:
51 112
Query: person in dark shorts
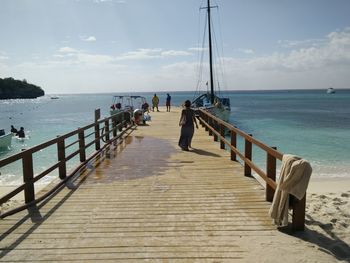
168 101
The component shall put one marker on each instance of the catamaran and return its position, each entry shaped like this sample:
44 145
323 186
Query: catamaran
210 101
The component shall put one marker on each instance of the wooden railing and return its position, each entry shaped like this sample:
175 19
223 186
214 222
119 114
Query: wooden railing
218 128
104 132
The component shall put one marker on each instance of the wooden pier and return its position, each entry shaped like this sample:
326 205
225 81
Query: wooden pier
146 200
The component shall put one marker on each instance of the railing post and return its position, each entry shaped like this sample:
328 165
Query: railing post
82 153
114 126
271 173
206 118
298 218
127 119
248 155
28 175
201 119
107 130
215 125
61 154
222 133
210 121
97 129
234 144
120 117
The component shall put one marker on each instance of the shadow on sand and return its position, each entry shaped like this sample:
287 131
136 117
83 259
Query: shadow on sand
329 242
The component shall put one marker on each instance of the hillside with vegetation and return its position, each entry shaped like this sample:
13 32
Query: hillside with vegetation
19 89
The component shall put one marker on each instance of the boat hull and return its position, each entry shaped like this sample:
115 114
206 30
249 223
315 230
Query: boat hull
223 114
5 141
221 109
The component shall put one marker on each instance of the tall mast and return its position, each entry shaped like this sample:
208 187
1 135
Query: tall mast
210 57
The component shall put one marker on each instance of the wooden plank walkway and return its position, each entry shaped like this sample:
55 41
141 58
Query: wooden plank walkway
147 201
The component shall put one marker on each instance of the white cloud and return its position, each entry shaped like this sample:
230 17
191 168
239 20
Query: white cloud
301 43
68 50
141 53
175 53
156 53
196 49
246 51
3 56
71 56
315 66
109 1
181 67
94 58
88 39
334 51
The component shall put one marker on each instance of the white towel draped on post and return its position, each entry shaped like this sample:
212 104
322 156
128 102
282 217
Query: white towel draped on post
294 179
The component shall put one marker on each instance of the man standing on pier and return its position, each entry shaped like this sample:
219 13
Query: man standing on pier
167 103
155 102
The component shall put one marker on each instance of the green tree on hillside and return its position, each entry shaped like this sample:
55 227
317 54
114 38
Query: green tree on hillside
17 89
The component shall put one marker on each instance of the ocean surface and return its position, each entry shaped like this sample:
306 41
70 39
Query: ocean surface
308 123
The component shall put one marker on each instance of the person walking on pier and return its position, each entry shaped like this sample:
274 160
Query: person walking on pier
187 121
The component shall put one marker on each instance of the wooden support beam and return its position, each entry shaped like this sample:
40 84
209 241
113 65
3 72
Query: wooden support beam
298 218
234 144
28 173
271 173
248 154
82 153
61 154
97 129
222 133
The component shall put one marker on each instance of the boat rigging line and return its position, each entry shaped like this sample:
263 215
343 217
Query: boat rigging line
216 59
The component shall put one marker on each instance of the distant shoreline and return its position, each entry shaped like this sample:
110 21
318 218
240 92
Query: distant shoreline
193 91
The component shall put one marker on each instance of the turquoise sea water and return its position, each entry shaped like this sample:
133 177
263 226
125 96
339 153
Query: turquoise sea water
309 123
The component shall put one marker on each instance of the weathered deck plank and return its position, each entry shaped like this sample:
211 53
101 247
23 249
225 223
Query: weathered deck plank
147 200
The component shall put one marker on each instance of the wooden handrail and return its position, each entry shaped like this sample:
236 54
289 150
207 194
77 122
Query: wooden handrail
244 135
110 135
216 127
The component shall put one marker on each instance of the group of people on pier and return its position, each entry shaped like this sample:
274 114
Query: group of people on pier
155 102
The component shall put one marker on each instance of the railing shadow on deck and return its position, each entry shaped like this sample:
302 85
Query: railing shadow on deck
218 128
106 132
75 180
203 152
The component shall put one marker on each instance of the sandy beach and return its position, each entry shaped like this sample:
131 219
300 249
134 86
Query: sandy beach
328 217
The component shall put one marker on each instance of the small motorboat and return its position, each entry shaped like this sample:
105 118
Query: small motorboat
137 106
5 140
330 90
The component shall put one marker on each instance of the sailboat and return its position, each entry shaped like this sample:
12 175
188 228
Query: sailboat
217 105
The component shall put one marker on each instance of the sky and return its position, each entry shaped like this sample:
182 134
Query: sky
94 46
